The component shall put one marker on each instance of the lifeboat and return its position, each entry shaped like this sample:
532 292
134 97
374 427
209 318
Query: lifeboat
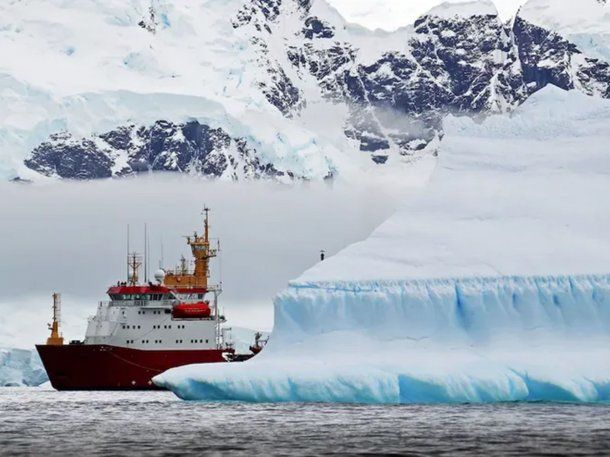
200 310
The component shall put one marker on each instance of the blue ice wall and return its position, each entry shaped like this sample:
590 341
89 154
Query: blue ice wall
477 310
428 341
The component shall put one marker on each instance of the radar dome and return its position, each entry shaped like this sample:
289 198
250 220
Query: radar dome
160 276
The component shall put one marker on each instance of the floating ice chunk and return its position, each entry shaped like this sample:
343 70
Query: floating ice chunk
21 367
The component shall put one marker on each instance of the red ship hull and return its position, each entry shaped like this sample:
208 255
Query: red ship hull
102 367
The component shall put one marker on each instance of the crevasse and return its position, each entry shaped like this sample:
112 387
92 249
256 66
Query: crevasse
424 341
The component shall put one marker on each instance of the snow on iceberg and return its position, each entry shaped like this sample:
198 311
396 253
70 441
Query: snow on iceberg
489 285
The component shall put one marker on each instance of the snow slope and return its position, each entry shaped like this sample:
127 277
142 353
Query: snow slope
447 10
92 66
490 285
292 90
518 195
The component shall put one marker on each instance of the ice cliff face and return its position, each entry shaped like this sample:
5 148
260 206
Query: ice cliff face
273 75
490 284
21 367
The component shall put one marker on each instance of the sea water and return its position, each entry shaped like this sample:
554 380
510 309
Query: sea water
38 421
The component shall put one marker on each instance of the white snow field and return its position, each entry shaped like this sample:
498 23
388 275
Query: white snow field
490 285
84 66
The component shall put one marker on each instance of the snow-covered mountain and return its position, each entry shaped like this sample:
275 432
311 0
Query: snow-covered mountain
269 88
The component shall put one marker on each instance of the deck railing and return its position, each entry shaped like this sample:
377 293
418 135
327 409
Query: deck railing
141 303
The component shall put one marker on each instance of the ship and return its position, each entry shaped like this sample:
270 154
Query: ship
146 328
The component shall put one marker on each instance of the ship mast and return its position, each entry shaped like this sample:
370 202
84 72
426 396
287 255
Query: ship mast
202 253
134 262
200 247
55 339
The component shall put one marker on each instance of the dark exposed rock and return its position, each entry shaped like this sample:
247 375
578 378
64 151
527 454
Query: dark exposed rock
66 157
315 28
548 58
474 66
165 146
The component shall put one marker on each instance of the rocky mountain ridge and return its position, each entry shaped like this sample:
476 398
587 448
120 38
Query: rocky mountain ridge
393 90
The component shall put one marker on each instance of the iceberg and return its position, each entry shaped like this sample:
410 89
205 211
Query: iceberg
21 367
490 284
471 340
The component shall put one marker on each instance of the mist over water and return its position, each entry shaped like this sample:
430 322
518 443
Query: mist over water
71 238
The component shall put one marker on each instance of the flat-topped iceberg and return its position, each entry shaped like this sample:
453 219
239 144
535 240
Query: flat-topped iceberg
473 340
490 284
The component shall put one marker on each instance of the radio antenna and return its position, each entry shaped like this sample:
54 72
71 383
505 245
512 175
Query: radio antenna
145 253
128 253
161 260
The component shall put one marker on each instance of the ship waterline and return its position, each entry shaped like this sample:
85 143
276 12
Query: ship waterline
103 367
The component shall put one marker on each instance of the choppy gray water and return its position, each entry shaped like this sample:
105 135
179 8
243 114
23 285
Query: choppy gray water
38 421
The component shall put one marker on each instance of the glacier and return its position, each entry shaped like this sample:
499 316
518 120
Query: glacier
490 284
